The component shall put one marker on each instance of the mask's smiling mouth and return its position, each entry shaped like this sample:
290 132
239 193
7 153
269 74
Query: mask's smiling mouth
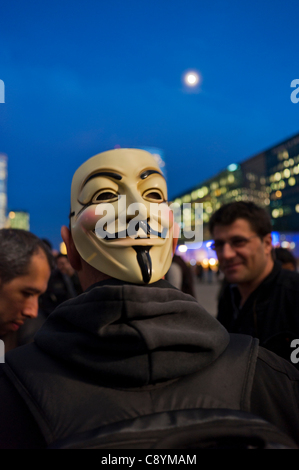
139 230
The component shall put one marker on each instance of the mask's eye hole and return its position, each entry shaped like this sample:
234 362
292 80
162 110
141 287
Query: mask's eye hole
153 195
104 196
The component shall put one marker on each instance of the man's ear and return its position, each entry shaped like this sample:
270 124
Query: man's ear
72 253
268 242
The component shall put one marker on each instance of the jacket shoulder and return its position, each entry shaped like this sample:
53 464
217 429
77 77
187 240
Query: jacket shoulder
271 361
289 279
275 392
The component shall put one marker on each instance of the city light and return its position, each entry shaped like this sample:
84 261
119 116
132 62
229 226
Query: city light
232 167
183 248
63 248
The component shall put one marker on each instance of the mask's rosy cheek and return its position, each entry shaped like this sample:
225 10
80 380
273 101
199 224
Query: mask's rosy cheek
166 216
169 215
88 218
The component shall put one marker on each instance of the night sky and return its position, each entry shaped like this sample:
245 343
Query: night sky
83 77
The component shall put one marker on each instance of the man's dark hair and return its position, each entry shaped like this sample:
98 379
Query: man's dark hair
258 218
16 249
61 255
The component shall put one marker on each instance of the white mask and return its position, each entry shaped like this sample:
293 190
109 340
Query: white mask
108 234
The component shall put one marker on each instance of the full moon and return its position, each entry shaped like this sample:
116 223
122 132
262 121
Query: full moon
191 78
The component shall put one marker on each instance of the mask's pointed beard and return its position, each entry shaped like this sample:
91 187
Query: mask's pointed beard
145 262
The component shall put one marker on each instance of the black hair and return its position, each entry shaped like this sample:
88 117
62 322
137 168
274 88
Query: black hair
16 249
61 255
258 218
285 256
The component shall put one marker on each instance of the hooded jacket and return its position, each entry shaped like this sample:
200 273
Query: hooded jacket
120 351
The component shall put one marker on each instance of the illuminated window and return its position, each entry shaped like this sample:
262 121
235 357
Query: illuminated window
275 213
286 173
281 184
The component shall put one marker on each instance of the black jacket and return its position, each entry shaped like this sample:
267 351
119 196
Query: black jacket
120 351
271 313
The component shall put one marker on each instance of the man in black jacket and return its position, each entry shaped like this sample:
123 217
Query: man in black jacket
260 299
133 348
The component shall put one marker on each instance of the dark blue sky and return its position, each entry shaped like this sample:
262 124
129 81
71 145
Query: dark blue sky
83 77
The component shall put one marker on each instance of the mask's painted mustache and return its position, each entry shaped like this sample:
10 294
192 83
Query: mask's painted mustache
145 262
130 232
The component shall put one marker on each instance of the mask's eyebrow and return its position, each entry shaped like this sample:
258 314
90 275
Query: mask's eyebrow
147 173
111 174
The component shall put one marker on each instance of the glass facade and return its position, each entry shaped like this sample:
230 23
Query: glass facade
238 182
282 164
270 179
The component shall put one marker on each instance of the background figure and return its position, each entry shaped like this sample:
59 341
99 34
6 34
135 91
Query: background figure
71 277
180 275
286 258
258 297
25 266
63 285
199 272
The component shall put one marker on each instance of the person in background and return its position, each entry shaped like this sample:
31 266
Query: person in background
180 275
25 267
70 275
260 299
286 258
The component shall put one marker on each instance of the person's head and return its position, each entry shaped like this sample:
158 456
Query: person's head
242 241
120 223
286 258
63 264
25 268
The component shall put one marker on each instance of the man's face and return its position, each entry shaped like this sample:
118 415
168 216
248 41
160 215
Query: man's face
243 257
19 297
63 265
108 192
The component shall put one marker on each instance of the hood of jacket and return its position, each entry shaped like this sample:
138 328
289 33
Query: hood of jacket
129 335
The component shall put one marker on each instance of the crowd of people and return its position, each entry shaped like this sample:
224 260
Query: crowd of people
105 342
